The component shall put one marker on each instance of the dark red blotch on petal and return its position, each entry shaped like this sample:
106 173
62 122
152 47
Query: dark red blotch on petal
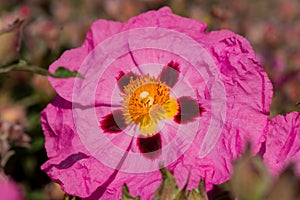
113 122
124 79
150 147
188 110
170 73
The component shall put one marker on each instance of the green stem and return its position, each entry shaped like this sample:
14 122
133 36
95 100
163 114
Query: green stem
23 66
61 72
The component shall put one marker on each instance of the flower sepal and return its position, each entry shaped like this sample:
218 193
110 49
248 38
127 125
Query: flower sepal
169 189
126 194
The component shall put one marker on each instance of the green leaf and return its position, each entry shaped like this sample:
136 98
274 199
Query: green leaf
62 72
126 194
37 144
35 194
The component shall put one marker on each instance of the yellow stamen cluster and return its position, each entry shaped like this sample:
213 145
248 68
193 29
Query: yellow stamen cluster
147 101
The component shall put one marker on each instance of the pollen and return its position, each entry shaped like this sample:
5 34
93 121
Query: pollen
146 102
144 94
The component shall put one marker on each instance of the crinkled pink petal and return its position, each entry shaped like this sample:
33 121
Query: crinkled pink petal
75 169
72 59
102 29
218 70
248 98
245 120
283 142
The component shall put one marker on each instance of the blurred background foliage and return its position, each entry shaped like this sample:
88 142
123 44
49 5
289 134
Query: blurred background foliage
50 27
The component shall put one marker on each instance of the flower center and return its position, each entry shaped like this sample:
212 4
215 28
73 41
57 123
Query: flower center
147 101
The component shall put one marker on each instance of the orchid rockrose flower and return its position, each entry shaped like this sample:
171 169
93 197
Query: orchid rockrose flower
9 190
158 91
282 144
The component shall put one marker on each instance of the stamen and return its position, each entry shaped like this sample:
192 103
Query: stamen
146 102
144 94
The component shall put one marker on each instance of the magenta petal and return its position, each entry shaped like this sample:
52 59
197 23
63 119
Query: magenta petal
164 18
113 122
150 147
73 59
69 161
283 142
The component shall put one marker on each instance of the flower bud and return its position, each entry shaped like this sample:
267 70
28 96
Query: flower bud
250 179
286 186
10 43
168 188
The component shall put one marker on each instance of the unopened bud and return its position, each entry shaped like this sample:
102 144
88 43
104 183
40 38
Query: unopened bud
10 43
251 179
286 186
168 188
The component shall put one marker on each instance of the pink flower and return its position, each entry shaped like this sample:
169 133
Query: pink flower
283 142
9 190
157 91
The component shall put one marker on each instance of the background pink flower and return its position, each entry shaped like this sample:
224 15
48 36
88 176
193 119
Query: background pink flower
92 152
282 143
9 190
